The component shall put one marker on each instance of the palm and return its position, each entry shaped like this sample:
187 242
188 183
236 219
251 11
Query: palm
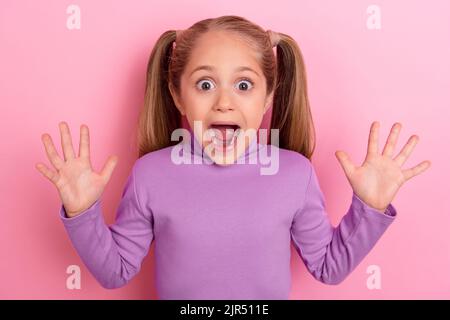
78 185
379 178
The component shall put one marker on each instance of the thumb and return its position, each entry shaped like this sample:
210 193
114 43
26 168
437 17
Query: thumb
345 162
108 168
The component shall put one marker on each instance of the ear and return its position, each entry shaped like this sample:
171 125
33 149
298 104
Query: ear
176 99
268 101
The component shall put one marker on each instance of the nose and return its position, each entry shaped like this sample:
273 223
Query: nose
224 102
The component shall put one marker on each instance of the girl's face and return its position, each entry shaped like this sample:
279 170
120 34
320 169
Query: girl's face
223 82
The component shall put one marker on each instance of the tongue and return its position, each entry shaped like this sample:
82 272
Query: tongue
226 131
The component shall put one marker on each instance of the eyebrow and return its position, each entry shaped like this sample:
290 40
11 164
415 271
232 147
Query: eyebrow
211 68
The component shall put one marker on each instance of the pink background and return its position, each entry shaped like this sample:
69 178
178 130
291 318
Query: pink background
96 75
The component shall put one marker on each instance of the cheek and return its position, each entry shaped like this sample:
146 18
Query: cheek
196 108
253 117
193 104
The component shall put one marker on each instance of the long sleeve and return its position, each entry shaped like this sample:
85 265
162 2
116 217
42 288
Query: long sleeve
113 254
330 254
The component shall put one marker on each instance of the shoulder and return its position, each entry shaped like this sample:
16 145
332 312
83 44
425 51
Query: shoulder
153 163
290 167
291 160
155 157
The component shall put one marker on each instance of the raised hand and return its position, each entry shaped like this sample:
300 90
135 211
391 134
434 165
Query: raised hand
378 179
78 186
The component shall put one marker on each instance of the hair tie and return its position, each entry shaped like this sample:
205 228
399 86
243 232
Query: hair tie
274 37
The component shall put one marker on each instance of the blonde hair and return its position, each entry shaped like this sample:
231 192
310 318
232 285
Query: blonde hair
284 73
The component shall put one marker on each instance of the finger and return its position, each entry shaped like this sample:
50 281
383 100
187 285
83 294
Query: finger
84 142
421 167
49 174
52 155
392 140
66 141
372 147
406 150
345 162
108 168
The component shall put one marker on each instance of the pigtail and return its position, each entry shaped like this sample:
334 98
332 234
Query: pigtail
291 112
159 117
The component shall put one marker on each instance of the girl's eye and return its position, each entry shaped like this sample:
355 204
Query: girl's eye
246 86
205 84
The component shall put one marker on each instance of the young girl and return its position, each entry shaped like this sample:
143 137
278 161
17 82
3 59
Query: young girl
223 230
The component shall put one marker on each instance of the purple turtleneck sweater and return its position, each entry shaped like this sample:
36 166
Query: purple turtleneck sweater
224 232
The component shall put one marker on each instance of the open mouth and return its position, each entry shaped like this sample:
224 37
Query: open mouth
224 134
